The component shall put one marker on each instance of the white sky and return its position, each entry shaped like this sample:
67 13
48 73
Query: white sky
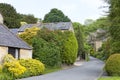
76 10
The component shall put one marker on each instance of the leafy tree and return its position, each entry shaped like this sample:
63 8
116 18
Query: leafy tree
11 18
28 18
56 15
114 18
29 34
79 36
102 23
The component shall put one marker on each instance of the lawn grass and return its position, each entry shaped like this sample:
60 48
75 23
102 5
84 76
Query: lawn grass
109 78
53 69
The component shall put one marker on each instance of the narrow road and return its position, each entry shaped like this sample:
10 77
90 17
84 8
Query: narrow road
90 70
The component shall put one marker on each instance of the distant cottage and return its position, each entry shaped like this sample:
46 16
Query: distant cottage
51 26
11 44
96 39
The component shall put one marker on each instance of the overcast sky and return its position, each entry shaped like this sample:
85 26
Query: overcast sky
76 10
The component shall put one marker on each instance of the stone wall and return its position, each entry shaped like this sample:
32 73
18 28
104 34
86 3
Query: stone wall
24 53
3 52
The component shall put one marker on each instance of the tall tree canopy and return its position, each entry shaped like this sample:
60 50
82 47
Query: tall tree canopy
28 18
102 23
56 15
12 19
114 18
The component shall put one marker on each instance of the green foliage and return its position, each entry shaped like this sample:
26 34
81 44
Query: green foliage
112 66
109 78
102 23
115 47
11 18
51 69
56 15
51 47
30 19
79 36
29 34
104 52
45 48
9 58
115 39
34 67
70 48
4 76
92 52
114 18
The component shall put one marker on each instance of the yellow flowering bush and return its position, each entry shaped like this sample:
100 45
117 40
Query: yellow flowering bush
15 68
34 67
9 58
29 34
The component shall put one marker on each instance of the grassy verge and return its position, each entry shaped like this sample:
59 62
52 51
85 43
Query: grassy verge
110 78
54 69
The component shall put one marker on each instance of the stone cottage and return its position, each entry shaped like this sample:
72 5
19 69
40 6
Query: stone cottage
97 38
11 44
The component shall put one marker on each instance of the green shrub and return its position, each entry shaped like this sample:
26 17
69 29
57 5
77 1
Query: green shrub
34 67
112 66
55 47
70 48
46 48
115 47
4 76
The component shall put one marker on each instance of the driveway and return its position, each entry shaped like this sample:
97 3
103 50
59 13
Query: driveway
90 70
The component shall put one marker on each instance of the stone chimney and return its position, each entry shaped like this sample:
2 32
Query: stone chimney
1 19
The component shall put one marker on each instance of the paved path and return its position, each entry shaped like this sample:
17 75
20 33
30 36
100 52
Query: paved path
87 71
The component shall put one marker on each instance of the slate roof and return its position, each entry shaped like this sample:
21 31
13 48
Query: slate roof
9 39
15 30
50 26
22 28
58 25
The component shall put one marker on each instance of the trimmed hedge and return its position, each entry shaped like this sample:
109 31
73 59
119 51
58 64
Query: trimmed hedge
55 47
46 48
112 66
70 48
